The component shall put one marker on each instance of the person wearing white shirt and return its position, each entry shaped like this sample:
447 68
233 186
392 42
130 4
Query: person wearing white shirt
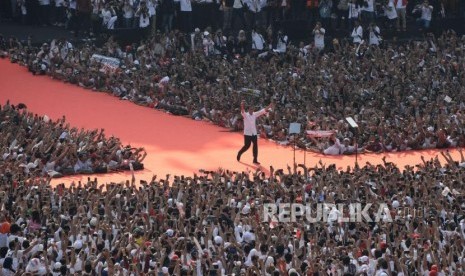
238 11
44 12
186 16
426 14
319 36
128 14
258 42
208 44
357 33
255 9
144 18
109 17
375 37
59 13
368 11
391 12
354 13
250 130
401 9
281 46
335 147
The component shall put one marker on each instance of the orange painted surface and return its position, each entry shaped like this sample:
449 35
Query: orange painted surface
175 145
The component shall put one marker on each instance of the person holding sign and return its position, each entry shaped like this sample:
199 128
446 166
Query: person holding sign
250 130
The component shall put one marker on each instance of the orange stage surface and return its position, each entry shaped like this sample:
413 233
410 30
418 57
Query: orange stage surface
175 145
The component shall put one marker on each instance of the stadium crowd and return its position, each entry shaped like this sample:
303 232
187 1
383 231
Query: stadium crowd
213 223
403 95
93 16
33 146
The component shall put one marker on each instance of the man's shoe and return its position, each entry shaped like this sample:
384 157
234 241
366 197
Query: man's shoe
256 162
238 157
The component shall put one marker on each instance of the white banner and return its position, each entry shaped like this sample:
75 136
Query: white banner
109 63
320 133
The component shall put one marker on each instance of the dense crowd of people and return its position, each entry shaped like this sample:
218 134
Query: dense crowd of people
402 95
36 146
92 16
213 223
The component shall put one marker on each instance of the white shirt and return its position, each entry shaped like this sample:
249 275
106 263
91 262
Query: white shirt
334 149
391 12
254 5
152 8
281 47
186 5
374 36
400 5
250 127
59 3
426 12
370 7
208 46
319 38
72 4
128 12
144 21
354 10
258 41
106 15
357 34
237 4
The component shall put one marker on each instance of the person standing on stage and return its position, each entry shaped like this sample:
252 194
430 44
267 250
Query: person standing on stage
250 130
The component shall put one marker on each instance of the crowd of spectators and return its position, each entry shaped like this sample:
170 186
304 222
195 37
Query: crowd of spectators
93 16
213 223
34 146
402 95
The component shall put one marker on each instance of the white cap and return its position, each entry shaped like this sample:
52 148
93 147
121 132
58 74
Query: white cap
246 209
206 33
57 265
93 221
292 270
218 240
363 259
169 232
395 204
165 79
77 244
164 269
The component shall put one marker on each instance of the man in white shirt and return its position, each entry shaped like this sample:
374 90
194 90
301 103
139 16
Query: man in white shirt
281 46
368 11
186 16
59 13
375 34
357 33
208 44
426 14
319 35
401 9
391 13
354 12
258 42
335 147
255 9
238 12
250 130
44 12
